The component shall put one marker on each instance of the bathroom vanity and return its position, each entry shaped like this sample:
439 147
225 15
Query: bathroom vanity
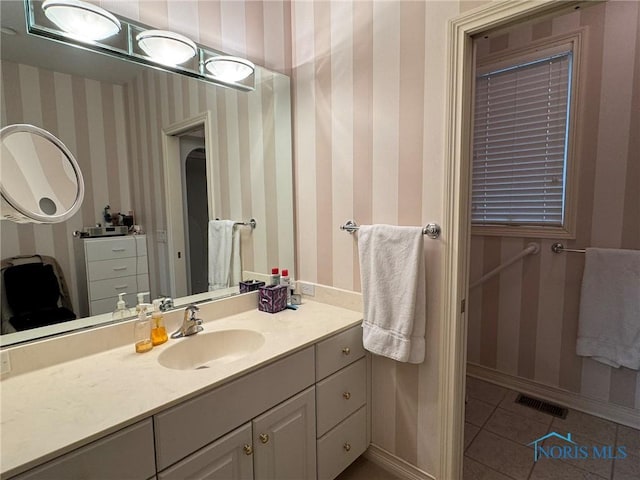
295 406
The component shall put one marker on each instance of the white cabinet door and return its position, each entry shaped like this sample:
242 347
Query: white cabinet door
229 458
284 440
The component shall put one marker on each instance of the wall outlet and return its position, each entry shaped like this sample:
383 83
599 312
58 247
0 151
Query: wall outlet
308 289
5 362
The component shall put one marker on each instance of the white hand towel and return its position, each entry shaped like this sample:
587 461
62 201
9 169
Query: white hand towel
224 254
393 287
609 323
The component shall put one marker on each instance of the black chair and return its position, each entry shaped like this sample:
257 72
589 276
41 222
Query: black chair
33 295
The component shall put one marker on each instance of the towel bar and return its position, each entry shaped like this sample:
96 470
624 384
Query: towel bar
432 230
559 248
251 223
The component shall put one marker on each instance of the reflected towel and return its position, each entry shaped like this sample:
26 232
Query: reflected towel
393 287
224 254
609 323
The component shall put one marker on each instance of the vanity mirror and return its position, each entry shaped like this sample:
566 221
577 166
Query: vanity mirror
119 120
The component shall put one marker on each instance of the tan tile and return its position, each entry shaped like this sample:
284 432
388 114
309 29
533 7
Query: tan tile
502 455
547 469
477 412
470 432
599 466
509 403
472 470
630 438
485 391
584 425
626 469
515 427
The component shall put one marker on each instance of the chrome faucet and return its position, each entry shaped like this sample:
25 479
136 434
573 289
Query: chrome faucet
191 324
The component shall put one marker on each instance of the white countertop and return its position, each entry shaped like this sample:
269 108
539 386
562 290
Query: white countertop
50 411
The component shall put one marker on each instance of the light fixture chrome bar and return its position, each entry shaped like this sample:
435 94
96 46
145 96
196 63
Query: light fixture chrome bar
123 45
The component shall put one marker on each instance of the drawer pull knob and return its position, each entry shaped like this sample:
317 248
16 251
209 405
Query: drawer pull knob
264 438
120 287
248 449
118 249
346 350
119 269
347 446
346 395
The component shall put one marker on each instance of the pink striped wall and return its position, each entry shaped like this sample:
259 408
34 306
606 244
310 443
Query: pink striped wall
525 321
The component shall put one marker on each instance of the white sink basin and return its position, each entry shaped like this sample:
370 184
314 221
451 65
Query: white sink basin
205 349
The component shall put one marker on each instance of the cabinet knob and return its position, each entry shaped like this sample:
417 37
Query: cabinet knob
248 449
347 446
346 350
264 438
346 395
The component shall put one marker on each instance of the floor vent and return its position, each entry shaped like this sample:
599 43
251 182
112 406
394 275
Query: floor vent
543 406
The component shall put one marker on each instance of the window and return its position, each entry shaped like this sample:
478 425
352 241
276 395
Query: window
520 142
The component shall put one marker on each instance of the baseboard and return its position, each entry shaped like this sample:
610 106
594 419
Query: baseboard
609 411
395 465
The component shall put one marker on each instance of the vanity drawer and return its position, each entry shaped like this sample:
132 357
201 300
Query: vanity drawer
121 267
112 247
342 445
111 287
338 351
340 395
124 454
197 422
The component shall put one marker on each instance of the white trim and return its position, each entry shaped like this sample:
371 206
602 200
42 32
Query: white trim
455 222
615 413
173 194
395 465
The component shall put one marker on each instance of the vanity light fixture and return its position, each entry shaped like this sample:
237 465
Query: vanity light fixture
165 47
82 20
228 68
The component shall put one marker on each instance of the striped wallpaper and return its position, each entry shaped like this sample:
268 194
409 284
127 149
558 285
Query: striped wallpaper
89 117
251 155
525 321
369 93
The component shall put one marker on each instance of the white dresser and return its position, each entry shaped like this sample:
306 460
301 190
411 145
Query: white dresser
114 265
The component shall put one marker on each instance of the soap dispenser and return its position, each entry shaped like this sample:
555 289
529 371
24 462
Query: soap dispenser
142 330
121 312
158 331
141 301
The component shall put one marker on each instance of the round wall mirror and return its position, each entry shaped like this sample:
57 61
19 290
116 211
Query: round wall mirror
40 179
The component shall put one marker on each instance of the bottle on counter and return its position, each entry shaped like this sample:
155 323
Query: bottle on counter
274 278
141 301
158 330
286 281
121 312
142 329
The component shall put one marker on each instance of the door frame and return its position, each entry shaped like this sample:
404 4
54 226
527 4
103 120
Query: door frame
176 244
457 209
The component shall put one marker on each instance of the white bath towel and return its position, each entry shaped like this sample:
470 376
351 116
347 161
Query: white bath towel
392 271
224 254
609 324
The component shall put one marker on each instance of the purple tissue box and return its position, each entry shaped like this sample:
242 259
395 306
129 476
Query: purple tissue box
272 298
250 285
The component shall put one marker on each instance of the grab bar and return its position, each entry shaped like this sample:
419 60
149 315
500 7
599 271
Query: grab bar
531 249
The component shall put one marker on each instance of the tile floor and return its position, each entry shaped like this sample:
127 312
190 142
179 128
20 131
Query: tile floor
497 432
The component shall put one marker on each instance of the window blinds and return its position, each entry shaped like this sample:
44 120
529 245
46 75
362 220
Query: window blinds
520 143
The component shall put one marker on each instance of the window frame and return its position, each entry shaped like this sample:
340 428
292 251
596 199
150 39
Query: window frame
520 55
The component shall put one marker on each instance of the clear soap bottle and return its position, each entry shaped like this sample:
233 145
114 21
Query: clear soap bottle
142 330
158 330
121 312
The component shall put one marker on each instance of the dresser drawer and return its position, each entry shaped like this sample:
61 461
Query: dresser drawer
342 445
124 454
113 268
113 247
339 395
111 287
338 351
